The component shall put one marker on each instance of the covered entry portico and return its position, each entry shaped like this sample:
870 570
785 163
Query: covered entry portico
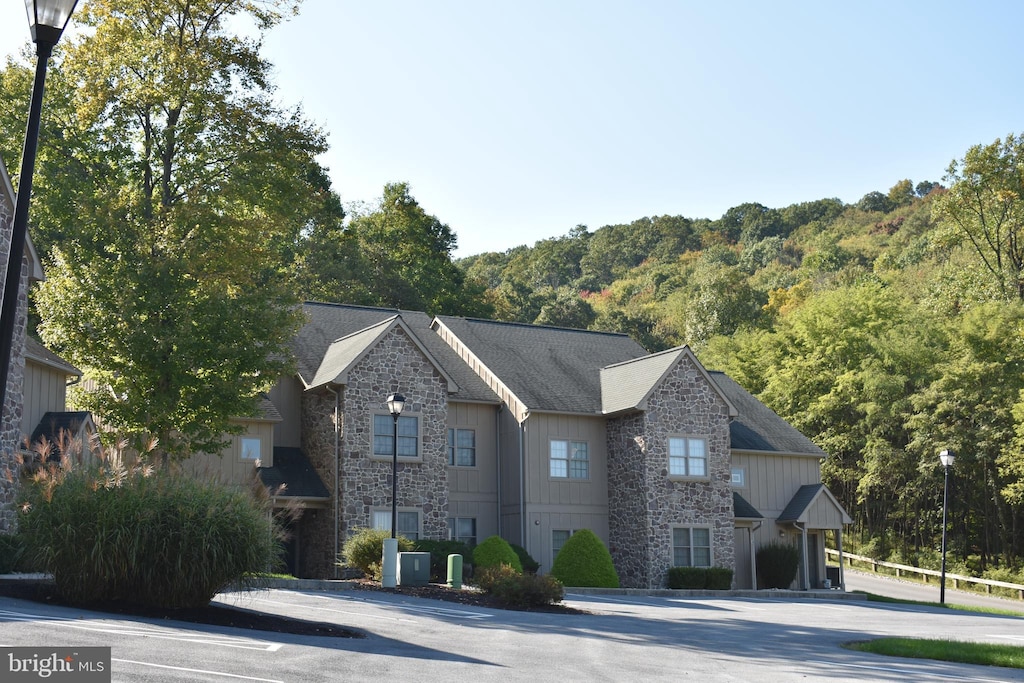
811 512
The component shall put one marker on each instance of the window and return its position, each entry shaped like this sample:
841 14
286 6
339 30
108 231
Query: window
739 476
687 457
408 523
251 447
462 529
570 459
462 447
691 547
408 436
558 539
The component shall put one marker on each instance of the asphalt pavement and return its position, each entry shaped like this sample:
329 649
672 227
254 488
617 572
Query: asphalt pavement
904 589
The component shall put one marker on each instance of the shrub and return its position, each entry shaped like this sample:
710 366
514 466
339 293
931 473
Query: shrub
719 579
584 561
114 532
530 565
494 552
513 589
365 547
777 564
691 578
439 552
11 549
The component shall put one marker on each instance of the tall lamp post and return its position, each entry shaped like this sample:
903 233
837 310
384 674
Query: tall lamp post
389 554
946 457
47 20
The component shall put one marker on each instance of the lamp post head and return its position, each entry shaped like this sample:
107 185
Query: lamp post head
946 457
48 18
396 402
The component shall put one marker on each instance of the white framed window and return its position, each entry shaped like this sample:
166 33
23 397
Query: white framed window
408 522
687 457
462 529
461 447
691 546
558 539
739 477
251 448
408 436
570 459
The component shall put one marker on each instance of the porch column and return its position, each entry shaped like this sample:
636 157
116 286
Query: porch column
803 544
842 570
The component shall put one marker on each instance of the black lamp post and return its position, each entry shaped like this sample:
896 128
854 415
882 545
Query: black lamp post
47 20
396 402
946 457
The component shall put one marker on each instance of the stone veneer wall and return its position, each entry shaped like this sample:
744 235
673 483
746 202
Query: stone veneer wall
10 426
395 364
317 540
684 404
629 530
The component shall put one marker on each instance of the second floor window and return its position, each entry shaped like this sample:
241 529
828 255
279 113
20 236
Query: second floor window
408 436
570 459
462 447
687 457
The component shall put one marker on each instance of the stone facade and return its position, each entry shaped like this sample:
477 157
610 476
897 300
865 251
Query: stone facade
645 503
316 527
10 426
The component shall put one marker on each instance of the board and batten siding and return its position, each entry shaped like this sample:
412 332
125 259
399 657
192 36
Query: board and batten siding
473 491
772 480
228 466
509 435
45 391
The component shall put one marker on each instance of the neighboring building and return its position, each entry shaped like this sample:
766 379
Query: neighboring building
533 433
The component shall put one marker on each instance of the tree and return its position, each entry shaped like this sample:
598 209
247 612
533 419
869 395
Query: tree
985 206
875 201
188 188
901 194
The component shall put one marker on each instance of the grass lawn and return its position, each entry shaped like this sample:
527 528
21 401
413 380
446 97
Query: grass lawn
945 650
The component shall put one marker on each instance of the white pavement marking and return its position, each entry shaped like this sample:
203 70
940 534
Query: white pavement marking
197 671
143 630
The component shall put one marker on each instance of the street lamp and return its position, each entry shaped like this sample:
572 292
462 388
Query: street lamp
946 457
396 402
47 20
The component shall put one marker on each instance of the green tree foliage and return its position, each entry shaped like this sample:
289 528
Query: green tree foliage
495 551
985 208
183 190
585 561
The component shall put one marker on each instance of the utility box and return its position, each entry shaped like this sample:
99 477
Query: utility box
413 569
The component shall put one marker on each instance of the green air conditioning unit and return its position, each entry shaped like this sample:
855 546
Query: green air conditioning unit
413 569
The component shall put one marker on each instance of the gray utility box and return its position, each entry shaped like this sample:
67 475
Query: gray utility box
413 569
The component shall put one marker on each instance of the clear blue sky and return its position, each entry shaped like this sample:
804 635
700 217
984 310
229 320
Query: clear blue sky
515 121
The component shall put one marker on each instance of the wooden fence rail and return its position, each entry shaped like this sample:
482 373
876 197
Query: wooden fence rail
902 569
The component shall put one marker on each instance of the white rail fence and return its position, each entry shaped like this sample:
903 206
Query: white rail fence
902 569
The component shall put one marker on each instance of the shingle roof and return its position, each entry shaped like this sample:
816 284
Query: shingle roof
757 428
342 353
547 368
40 354
800 501
55 425
625 385
741 509
293 471
329 323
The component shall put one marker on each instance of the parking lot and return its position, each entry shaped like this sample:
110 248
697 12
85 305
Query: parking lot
618 639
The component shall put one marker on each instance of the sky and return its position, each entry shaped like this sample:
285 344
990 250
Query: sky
514 122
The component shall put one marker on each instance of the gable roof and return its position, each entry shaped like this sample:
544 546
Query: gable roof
293 471
548 369
804 500
38 353
757 427
627 385
742 509
342 332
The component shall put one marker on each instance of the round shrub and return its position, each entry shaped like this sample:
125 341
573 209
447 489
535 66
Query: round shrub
777 564
495 551
365 547
135 535
584 562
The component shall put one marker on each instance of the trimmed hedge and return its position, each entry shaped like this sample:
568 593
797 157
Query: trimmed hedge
777 564
719 579
364 549
494 552
689 578
134 535
584 562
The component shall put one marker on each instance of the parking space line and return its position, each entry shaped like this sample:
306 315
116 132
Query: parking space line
197 671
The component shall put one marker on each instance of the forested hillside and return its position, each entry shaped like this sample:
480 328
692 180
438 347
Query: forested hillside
886 330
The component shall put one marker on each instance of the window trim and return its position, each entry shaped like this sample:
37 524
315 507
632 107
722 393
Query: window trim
241 448
452 447
742 483
554 553
401 458
687 438
569 459
710 546
401 510
453 530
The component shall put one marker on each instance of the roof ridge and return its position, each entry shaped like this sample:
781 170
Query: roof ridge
534 326
330 304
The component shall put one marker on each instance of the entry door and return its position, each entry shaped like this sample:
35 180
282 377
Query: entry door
813 563
742 554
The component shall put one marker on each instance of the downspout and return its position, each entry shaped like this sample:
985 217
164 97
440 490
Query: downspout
337 477
803 553
497 460
753 556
